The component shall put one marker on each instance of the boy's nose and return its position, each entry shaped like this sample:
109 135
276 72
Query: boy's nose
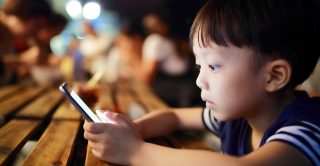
201 82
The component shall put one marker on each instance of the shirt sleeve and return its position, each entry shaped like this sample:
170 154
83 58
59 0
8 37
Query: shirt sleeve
304 136
211 123
150 48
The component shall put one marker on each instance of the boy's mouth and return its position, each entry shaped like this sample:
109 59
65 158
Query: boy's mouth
209 104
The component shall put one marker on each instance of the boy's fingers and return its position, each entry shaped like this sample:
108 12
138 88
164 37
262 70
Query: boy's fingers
95 127
106 116
94 145
119 118
90 136
114 118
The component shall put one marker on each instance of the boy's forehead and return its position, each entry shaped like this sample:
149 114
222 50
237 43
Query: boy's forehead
199 48
224 52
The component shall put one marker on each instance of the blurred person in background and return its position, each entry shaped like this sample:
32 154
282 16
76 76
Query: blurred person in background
56 24
71 65
19 20
39 56
167 61
41 62
94 47
124 59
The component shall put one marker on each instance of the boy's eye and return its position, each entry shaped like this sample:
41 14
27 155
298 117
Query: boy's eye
213 67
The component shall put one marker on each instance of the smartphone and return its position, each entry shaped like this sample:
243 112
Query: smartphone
78 103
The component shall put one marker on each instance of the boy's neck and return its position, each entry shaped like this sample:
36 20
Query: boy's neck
265 117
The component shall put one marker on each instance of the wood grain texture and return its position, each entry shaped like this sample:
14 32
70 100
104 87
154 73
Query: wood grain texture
147 97
189 140
66 112
153 103
12 104
8 90
13 136
124 101
42 106
106 101
55 145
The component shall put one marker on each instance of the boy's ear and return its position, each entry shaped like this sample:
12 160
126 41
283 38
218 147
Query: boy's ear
278 74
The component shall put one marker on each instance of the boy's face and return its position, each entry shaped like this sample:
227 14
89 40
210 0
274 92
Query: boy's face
229 86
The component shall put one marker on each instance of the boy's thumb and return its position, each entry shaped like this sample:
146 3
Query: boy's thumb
112 117
105 116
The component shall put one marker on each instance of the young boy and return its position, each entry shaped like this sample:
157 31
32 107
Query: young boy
251 55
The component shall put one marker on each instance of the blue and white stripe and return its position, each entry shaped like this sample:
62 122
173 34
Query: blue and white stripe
211 123
305 136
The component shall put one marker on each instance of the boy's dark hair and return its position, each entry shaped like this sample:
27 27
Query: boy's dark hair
27 9
275 29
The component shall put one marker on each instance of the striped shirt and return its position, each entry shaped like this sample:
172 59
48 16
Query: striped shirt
297 125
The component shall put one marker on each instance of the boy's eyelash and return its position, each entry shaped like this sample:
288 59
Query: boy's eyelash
198 67
213 67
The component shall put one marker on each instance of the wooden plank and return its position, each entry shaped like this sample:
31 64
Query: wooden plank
128 104
152 103
13 136
147 97
189 140
66 112
55 145
12 104
124 100
106 101
8 90
42 106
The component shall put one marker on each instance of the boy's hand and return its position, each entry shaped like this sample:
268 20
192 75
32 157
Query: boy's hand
115 141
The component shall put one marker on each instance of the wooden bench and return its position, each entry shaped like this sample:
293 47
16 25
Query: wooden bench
43 115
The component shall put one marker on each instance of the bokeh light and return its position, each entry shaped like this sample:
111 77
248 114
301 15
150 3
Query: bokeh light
91 10
74 9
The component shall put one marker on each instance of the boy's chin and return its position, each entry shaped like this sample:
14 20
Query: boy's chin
220 116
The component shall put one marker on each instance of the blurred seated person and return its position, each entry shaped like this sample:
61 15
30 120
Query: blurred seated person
167 62
39 53
40 59
18 19
94 47
54 27
124 59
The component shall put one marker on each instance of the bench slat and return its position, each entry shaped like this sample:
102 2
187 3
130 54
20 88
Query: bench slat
189 141
105 98
7 90
42 106
9 106
152 102
55 145
13 136
125 101
147 97
66 112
